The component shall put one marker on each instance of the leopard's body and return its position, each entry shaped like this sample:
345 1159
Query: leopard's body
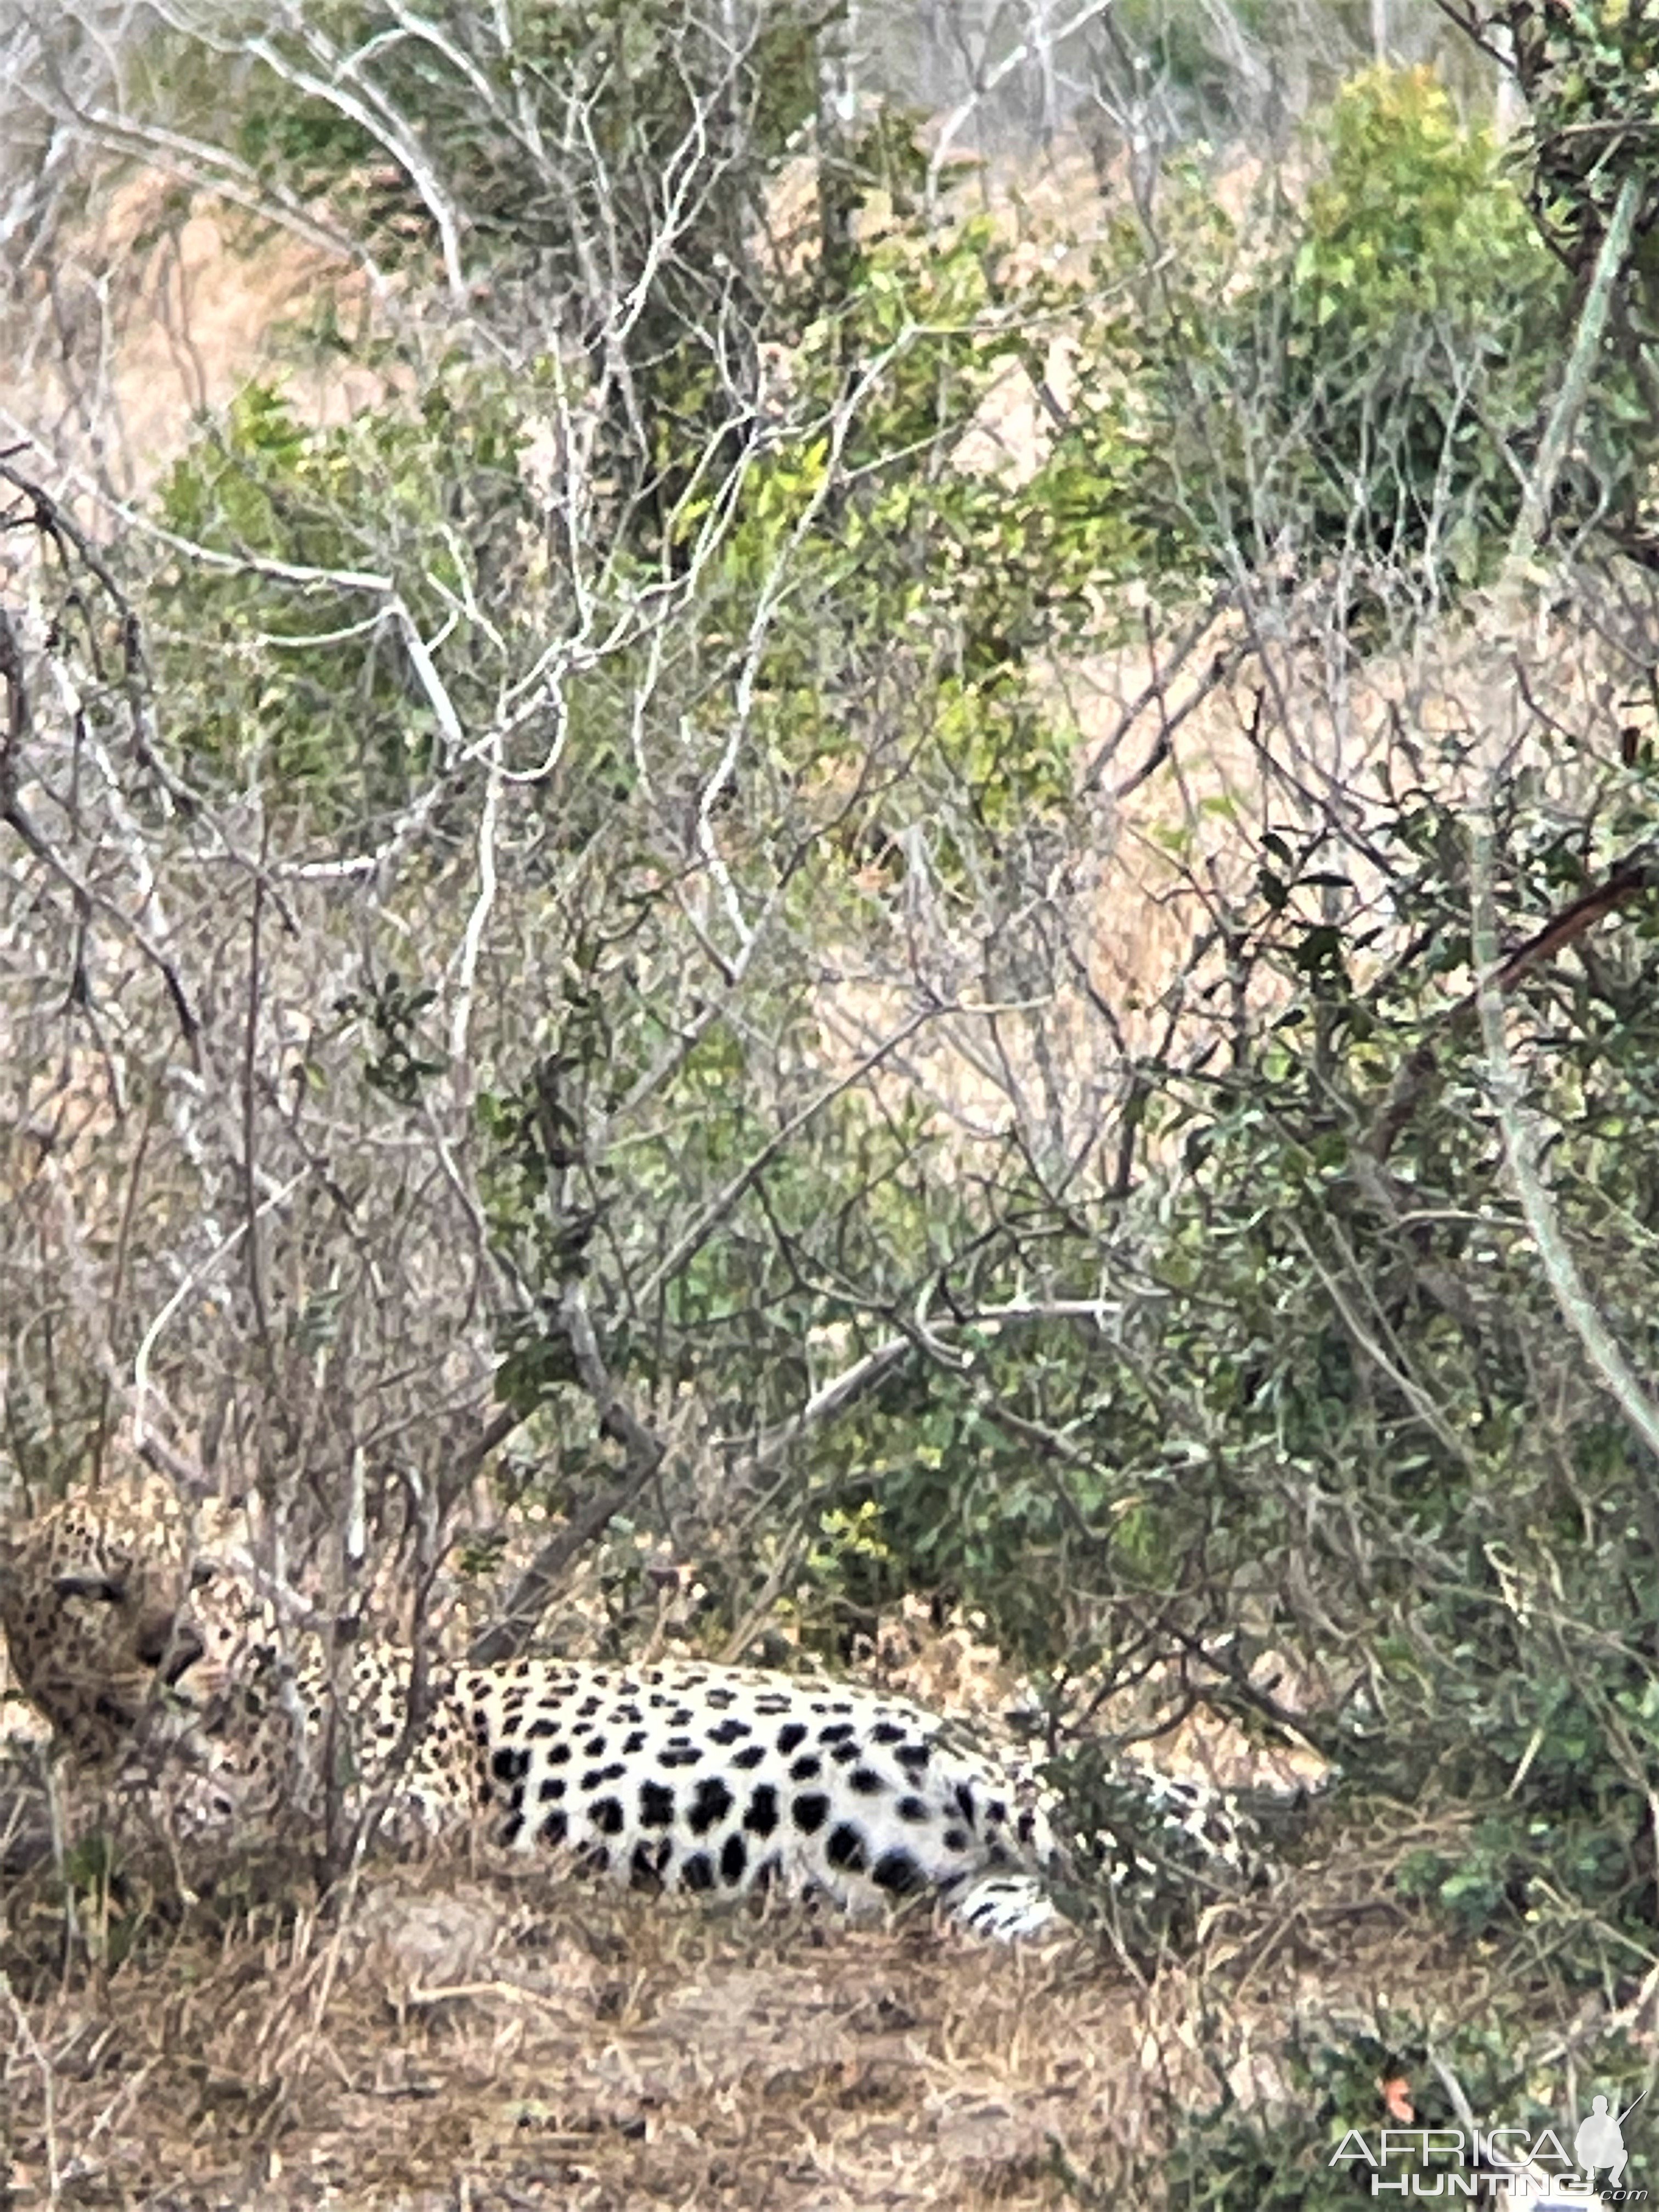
676 1774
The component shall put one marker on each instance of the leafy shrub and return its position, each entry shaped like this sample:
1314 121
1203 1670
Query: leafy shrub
1229 2159
1356 369
315 689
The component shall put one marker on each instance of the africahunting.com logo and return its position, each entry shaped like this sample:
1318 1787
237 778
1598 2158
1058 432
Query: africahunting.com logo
1504 2165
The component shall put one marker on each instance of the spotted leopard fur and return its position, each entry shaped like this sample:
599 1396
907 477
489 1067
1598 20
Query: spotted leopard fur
678 1775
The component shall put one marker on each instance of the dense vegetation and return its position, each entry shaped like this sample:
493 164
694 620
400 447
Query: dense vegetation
599 874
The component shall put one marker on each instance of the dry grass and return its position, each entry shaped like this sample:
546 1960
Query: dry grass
464 2035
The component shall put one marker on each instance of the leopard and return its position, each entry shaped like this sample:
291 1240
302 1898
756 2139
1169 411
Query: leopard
676 1775
95 1641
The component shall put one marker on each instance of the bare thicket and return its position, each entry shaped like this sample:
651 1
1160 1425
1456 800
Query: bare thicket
444 1111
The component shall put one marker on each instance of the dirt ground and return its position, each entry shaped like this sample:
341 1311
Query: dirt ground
463 2036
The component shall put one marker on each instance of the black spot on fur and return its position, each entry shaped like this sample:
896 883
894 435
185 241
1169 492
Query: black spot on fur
965 1802
866 1781
846 1849
597 1777
608 1817
811 1812
843 1753
734 1861
709 1805
555 1828
656 1805
772 1703
956 1839
887 1732
807 1770
557 1754
766 1872
678 1754
762 1814
789 1736
897 1872
698 1872
719 1700
913 1808
730 1731
634 1740
914 1757
594 1748
510 1764
588 1707
681 1717
750 1757
541 1729
512 1829
837 1732
551 1789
